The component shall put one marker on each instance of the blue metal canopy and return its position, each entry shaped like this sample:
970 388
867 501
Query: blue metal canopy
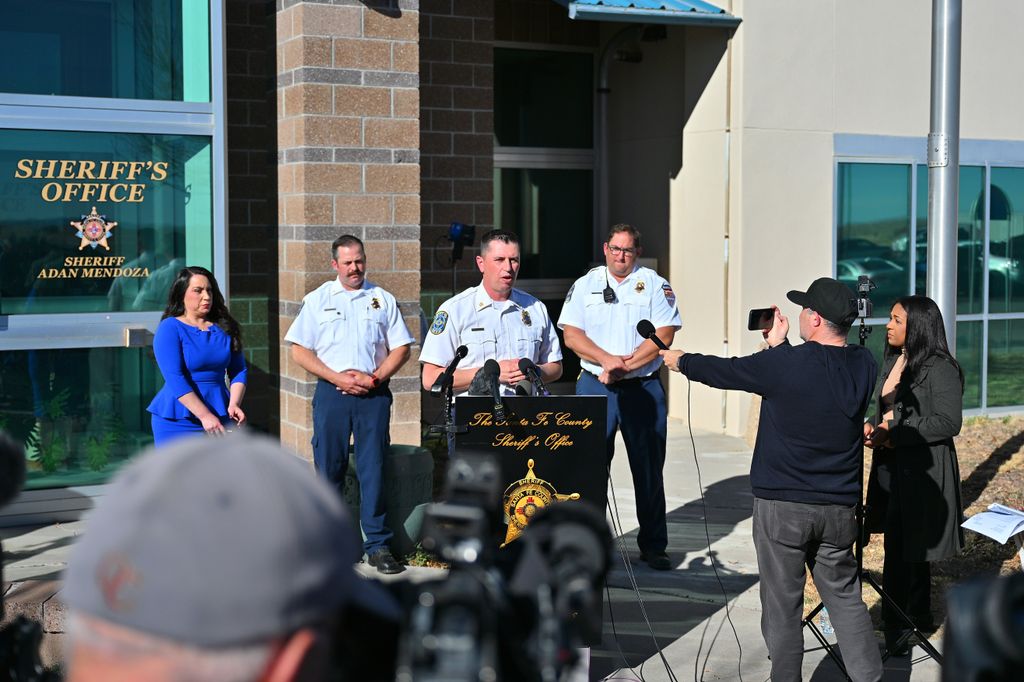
686 12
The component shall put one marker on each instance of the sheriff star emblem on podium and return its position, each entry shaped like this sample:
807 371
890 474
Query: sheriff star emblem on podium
524 498
94 230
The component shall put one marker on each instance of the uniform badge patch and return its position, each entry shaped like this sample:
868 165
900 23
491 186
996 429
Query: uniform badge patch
440 322
569 295
526 318
640 286
374 303
669 295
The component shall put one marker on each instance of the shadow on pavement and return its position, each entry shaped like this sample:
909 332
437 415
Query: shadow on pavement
678 601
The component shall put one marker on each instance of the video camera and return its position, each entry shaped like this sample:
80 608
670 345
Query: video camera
984 640
519 613
864 287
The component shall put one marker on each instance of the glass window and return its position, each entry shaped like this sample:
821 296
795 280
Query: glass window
1005 362
128 49
969 345
1006 241
100 222
79 412
543 99
970 261
547 209
874 229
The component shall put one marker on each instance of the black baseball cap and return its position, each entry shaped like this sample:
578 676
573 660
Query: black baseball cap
830 298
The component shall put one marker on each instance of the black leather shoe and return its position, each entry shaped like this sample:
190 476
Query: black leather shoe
897 642
659 561
384 562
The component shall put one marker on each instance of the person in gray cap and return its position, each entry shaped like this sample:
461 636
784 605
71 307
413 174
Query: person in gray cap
226 563
806 471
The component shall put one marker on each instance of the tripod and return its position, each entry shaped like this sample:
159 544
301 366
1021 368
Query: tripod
864 286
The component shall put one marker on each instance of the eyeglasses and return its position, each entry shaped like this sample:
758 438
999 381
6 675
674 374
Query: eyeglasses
616 250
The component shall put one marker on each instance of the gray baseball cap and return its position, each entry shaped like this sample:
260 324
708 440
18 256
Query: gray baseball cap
217 543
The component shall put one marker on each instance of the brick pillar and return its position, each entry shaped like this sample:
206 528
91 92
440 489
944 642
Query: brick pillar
348 162
457 93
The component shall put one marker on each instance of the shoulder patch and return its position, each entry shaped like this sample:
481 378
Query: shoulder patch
667 288
440 322
569 295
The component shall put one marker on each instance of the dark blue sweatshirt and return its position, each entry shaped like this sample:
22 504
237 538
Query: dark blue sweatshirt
809 440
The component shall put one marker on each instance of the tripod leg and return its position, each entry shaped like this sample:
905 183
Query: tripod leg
922 639
829 648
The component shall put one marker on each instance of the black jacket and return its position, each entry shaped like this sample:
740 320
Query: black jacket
809 440
922 467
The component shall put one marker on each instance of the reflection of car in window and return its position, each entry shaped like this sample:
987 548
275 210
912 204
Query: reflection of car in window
886 274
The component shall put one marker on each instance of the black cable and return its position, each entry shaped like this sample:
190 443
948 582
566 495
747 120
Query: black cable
619 534
710 555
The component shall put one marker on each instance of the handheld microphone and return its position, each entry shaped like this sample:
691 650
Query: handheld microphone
533 374
492 370
445 378
645 329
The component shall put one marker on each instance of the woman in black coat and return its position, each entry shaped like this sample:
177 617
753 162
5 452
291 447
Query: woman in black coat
914 487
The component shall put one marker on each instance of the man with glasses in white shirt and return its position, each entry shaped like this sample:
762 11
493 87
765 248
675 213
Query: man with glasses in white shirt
599 324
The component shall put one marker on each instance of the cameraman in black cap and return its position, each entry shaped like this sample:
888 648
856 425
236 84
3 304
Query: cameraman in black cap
806 471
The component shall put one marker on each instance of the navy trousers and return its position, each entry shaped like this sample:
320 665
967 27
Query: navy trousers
337 417
637 407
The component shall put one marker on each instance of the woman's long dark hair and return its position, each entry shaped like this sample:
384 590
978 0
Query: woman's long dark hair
218 310
926 336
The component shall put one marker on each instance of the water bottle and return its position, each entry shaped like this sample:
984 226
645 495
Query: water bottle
825 623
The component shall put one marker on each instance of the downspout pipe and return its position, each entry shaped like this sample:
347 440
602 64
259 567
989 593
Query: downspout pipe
603 93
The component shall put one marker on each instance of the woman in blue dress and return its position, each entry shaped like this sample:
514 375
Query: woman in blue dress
196 343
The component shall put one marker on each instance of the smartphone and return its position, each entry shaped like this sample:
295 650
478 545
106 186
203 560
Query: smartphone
761 319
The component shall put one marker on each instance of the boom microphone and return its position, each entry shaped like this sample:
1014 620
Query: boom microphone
446 377
533 374
492 370
645 329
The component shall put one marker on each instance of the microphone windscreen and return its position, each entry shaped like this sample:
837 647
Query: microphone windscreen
645 329
525 364
481 383
12 468
492 368
461 352
524 388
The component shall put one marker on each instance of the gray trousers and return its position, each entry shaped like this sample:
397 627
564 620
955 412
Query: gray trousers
789 536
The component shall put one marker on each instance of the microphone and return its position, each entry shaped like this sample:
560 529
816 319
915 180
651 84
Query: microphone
492 370
524 388
532 373
645 329
445 378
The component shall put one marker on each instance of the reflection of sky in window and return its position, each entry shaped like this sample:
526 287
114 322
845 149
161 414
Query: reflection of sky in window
882 192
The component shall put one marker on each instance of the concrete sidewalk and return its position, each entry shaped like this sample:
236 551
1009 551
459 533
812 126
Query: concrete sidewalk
682 611
684 608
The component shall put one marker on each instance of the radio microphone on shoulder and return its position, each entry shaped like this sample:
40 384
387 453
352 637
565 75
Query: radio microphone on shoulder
645 329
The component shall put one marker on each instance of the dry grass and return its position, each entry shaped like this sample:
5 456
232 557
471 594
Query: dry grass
992 470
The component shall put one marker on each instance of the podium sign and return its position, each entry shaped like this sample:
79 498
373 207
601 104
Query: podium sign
564 436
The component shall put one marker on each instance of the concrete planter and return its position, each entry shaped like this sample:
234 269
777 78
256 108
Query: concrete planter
408 483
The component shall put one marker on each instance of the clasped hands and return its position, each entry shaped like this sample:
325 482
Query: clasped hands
354 382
